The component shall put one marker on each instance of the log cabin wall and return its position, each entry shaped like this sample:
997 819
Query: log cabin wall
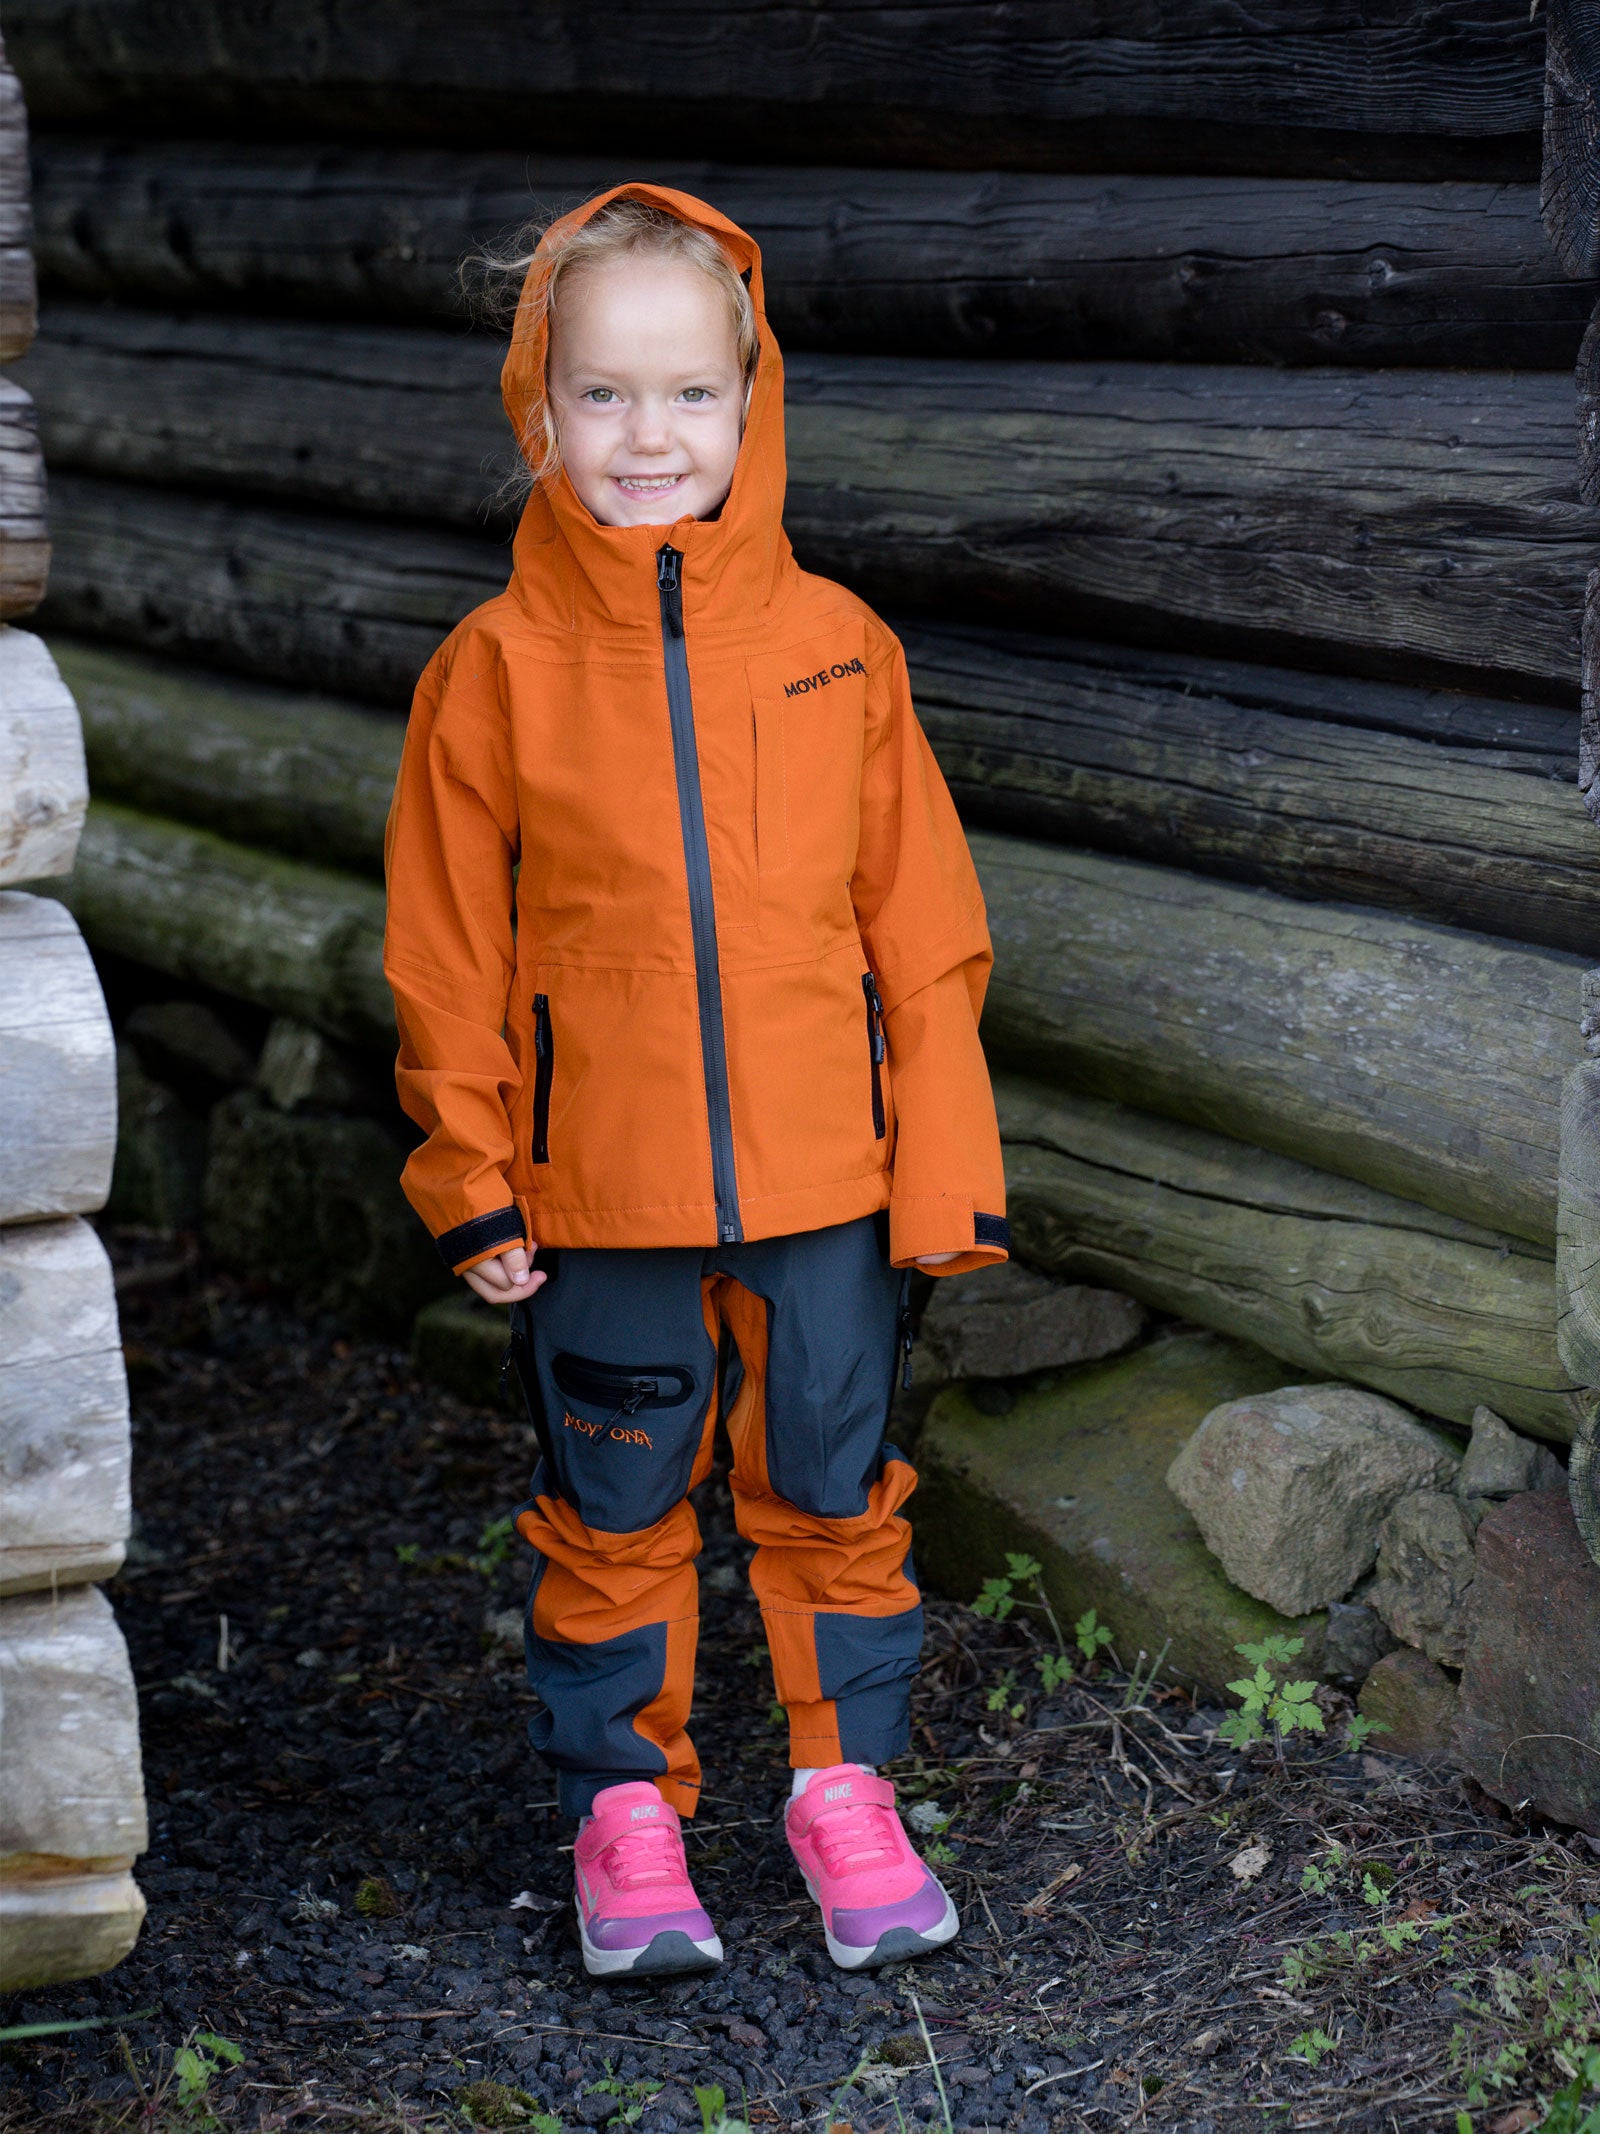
1196 398
72 1816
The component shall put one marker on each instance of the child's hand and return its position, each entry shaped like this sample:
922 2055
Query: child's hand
507 1279
928 1259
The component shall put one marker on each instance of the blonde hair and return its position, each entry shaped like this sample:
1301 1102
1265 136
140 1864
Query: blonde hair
622 229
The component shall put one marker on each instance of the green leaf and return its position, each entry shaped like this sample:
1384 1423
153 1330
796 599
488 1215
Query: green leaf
1023 1567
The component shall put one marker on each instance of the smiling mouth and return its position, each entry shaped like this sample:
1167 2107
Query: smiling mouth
648 484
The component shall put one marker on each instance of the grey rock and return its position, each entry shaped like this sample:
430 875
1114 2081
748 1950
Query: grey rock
1000 1322
1414 1701
1290 1488
161 1151
1426 1567
1499 1463
314 1205
190 1045
1358 1638
302 1068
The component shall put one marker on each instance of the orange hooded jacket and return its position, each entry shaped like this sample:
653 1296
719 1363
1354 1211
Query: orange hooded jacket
685 941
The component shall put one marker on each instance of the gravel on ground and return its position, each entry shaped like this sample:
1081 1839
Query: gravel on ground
358 1880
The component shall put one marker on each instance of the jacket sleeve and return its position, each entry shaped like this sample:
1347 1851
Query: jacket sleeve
920 910
449 951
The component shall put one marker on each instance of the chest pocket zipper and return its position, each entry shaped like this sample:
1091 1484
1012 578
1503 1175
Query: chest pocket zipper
877 1048
544 1055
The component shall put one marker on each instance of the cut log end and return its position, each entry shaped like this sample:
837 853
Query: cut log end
1569 189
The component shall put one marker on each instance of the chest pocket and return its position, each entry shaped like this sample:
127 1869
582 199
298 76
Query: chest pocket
807 710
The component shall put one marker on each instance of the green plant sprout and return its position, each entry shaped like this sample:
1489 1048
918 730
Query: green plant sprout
201 2057
496 1545
1091 1634
999 1597
1312 2046
1265 1701
1003 1696
715 2118
632 2097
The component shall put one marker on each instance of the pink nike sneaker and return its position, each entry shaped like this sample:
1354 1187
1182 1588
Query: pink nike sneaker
878 1901
637 1910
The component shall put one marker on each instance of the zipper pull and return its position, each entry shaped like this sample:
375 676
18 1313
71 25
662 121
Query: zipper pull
505 1369
869 986
666 570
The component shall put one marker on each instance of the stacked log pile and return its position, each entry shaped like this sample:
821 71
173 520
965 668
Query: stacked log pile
71 1798
1195 393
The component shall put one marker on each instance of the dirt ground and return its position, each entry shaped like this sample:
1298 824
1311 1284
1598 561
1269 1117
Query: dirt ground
357 1877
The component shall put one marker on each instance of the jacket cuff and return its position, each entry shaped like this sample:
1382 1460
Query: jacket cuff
480 1239
945 1224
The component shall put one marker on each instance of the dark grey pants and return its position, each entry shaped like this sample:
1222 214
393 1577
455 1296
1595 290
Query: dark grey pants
625 1358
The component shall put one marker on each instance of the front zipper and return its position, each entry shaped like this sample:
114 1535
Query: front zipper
702 907
544 1054
877 1048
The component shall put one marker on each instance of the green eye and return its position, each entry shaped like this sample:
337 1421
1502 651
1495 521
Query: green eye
694 392
600 393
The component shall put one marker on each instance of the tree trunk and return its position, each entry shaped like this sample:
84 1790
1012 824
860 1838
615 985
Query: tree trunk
1337 1279
879 262
298 939
58 1098
64 1448
1391 86
1416 524
1420 1060
43 783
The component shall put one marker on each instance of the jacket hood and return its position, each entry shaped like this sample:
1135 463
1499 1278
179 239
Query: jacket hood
568 567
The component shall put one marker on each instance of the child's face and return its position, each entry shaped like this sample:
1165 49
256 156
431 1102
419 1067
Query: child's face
647 391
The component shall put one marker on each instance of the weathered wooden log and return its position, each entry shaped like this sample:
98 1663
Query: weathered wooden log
43 783
1448 807
865 261
1419 1059
1578 1225
1422 1060
24 540
304 774
72 1813
58 1099
1177 84
64 1446
333 603
1589 699
18 307
1462 809
299 939
1569 187
1424 524
1330 1275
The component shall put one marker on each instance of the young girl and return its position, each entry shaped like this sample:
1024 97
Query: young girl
687 952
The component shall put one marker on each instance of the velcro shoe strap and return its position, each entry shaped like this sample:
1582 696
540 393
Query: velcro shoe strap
866 1790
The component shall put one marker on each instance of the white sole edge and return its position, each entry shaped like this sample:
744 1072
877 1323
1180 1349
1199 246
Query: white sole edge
616 1963
849 1957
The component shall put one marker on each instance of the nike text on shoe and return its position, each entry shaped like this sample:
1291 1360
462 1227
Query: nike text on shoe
878 1901
637 1910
